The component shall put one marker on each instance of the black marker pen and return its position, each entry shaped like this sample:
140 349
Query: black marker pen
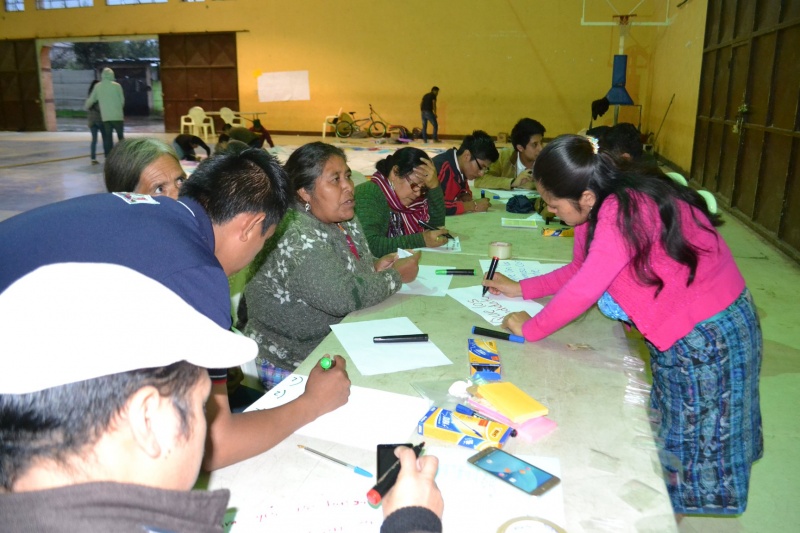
416 337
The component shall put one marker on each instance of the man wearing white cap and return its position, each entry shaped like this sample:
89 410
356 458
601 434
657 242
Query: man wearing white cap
103 428
225 213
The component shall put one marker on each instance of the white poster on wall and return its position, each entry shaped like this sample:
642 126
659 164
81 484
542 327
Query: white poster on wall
283 86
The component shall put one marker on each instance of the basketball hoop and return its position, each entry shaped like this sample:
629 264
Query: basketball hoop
624 23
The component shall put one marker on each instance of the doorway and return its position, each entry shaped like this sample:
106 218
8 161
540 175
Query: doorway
747 143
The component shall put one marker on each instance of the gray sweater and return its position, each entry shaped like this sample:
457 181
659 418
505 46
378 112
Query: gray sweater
309 281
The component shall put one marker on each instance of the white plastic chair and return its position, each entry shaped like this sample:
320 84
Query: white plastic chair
229 116
202 122
330 122
188 124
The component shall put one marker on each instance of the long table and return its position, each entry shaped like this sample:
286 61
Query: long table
611 477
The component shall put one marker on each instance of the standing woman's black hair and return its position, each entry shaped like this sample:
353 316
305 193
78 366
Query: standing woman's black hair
405 159
571 164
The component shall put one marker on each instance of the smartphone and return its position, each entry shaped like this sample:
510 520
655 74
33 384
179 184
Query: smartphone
514 471
386 456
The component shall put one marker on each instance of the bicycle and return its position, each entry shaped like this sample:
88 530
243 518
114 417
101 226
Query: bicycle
348 125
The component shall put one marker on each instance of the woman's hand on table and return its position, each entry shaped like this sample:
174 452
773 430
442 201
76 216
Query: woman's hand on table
515 321
327 390
434 238
408 267
385 262
427 173
416 484
476 206
499 284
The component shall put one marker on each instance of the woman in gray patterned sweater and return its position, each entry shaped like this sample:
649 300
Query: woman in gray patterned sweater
321 268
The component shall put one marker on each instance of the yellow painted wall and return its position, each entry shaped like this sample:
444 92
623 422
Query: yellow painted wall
494 60
677 60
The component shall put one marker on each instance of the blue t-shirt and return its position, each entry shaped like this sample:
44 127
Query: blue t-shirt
167 240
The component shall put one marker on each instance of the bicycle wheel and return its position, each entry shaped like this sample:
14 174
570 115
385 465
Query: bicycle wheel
344 129
377 129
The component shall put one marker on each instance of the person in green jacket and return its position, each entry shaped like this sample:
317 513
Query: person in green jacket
513 169
402 197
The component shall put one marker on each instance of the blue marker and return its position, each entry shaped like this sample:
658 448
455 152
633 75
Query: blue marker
483 193
354 468
497 334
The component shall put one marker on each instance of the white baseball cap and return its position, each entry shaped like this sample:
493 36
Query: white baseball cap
70 322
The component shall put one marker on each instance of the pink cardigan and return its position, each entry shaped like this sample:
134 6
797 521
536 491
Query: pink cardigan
662 320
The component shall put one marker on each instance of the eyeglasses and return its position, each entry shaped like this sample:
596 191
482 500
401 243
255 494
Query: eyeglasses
481 169
422 190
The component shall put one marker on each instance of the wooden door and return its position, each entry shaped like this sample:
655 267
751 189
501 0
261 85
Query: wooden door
198 70
747 143
21 106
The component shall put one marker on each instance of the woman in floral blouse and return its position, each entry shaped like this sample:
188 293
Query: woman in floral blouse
321 268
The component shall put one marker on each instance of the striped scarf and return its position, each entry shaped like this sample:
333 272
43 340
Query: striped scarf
403 220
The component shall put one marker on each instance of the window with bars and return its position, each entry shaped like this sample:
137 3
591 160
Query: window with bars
62 4
133 2
15 5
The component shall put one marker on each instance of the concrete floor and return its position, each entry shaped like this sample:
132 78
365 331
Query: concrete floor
40 168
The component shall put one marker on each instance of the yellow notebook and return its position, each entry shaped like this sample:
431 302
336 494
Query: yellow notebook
511 402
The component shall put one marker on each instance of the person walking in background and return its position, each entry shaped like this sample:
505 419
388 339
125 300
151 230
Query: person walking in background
428 109
95 123
108 94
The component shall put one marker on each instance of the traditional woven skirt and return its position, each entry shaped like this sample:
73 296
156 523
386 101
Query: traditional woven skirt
706 389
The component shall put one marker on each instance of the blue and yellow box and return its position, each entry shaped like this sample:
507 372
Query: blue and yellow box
484 360
465 430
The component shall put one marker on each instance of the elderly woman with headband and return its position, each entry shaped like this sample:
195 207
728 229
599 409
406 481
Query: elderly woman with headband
401 199
144 166
321 268
647 252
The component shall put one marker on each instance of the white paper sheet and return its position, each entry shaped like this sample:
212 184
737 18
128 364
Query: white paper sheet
403 253
370 417
464 484
428 283
518 270
492 308
383 358
326 500
283 86
501 194
453 246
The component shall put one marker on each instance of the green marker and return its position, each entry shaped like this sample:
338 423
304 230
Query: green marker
456 272
327 363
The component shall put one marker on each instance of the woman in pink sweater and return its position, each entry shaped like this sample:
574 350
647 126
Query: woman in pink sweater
647 253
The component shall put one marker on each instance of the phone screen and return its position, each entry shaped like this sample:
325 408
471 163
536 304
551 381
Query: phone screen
514 471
